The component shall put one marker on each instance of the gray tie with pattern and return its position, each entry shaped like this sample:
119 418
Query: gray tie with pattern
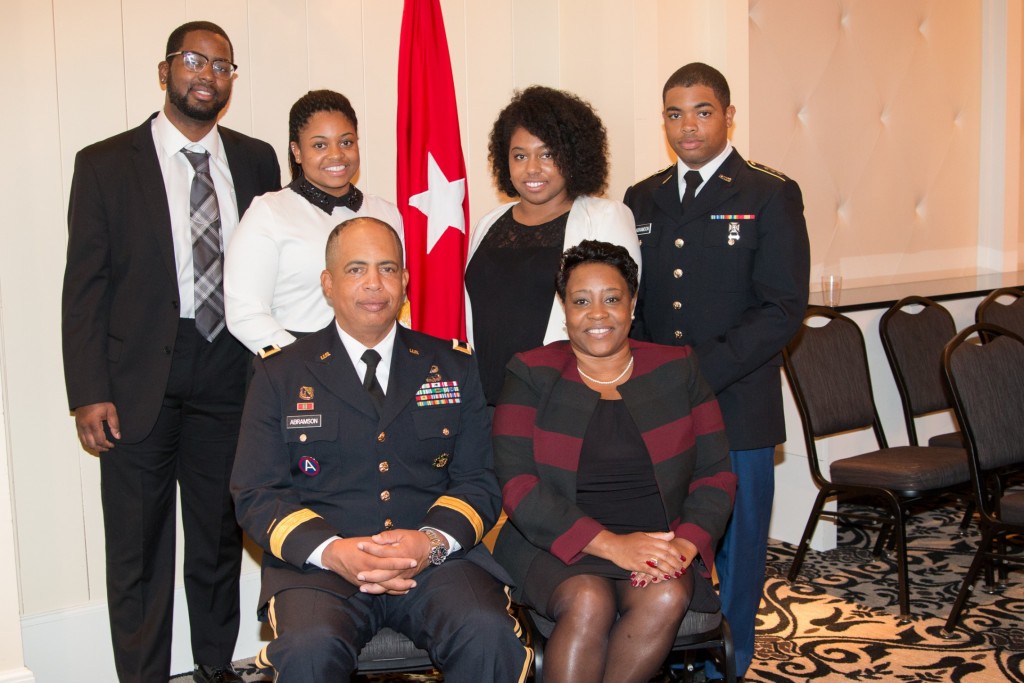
207 255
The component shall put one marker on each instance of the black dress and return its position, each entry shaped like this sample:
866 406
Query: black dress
511 286
615 486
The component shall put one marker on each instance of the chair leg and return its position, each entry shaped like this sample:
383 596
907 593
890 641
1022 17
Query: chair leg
968 584
728 653
965 523
805 541
899 531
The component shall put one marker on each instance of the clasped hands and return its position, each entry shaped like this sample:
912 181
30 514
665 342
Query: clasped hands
384 563
650 557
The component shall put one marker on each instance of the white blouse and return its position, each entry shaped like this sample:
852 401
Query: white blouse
273 262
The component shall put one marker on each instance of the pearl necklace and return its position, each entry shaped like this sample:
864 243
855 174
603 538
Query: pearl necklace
611 381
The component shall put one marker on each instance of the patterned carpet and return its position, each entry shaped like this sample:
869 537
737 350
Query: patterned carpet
839 620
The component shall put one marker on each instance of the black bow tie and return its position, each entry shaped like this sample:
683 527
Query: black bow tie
353 199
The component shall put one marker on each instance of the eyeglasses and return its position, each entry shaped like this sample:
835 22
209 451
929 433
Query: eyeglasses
196 61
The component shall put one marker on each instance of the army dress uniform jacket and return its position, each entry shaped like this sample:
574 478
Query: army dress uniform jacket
730 279
315 460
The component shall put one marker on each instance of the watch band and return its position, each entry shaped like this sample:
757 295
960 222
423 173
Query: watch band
438 550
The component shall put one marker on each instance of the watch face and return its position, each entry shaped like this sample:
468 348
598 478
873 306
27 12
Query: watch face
438 554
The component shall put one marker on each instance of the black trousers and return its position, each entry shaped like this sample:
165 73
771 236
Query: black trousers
192 445
458 613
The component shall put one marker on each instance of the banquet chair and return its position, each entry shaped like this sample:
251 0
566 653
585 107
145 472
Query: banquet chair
698 631
1009 316
827 369
913 344
987 383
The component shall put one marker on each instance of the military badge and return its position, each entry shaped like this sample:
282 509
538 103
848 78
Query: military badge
441 460
734 233
306 393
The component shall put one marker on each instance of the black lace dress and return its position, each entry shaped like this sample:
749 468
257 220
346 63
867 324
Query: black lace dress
511 286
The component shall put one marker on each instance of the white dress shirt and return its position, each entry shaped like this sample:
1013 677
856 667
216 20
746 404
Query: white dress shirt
178 174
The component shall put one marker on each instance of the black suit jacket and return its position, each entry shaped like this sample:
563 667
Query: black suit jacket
120 305
334 467
731 280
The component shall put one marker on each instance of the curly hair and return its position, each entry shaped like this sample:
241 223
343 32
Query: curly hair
594 251
565 123
311 103
699 73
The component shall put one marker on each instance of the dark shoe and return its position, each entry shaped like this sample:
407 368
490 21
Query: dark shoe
216 674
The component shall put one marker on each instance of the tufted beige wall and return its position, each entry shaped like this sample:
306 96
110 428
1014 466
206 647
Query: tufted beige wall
874 107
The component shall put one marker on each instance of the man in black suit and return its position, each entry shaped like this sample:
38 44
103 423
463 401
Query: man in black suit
725 269
364 470
155 381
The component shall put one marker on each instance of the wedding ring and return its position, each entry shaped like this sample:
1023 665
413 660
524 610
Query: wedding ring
653 562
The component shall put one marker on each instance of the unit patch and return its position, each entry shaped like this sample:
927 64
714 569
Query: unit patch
309 466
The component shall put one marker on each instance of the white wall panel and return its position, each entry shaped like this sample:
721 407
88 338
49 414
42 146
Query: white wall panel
489 86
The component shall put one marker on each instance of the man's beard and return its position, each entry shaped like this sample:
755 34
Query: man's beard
207 112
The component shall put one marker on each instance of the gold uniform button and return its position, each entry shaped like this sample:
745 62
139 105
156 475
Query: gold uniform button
383 466
381 437
676 305
385 496
445 431
679 243
677 273
302 438
388 524
679 334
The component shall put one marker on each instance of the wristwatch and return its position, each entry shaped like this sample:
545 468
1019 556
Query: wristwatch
438 549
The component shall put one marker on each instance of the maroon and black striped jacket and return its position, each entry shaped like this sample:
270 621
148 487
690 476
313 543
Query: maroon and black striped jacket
539 426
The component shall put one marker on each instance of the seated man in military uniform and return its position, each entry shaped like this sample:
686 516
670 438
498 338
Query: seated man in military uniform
364 471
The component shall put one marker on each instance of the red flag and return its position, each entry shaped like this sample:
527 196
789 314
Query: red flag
431 173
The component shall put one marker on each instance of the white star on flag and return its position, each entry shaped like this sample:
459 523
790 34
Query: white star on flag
441 203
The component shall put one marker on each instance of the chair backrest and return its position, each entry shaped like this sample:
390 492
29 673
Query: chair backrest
827 368
1009 316
913 344
987 383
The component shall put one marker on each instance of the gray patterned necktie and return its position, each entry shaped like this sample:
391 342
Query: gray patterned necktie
207 255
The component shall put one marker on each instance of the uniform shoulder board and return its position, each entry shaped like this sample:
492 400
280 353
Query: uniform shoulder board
766 169
658 173
268 351
462 346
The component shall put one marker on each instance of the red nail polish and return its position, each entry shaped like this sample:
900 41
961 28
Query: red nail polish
667 577
678 574
633 582
643 583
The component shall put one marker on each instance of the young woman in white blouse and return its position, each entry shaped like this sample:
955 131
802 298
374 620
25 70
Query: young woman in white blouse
273 263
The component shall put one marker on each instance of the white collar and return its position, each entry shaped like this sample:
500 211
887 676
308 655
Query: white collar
385 347
706 171
169 140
